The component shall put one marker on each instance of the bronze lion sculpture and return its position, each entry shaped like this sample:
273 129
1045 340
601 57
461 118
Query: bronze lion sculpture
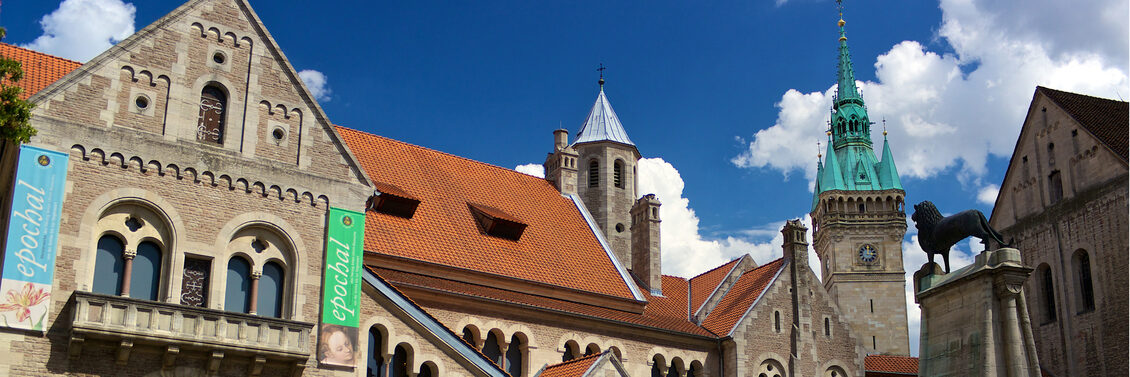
937 235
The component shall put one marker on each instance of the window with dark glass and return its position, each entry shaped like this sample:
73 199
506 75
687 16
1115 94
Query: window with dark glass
496 222
238 290
194 282
656 367
492 350
210 125
392 200
514 357
145 277
376 361
269 302
108 264
1055 186
1048 290
777 321
399 365
594 173
1086 290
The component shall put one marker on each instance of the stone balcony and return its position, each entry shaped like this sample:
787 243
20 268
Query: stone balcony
179 328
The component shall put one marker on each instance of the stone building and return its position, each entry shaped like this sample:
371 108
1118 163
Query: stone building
859 222
199 234
1063 202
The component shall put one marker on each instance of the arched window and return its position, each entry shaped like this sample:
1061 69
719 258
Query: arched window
145 277
594 173
236 297
399 365
213 105
827 327
427 370
1085 287
469 337
492 350
572 350
1047 293
618 173
269 302
108 266
376 359
592 349
514 363
675 368
657 365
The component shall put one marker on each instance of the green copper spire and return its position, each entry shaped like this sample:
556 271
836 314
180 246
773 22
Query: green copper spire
850 163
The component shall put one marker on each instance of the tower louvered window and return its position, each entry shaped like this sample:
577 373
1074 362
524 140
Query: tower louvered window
618 174
210 126
594 173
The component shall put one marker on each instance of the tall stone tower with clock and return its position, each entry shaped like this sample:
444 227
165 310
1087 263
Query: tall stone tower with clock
859 222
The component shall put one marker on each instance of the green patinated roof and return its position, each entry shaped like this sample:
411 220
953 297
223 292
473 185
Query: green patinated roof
851 164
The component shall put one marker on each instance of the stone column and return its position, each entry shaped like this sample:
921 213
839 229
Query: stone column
253 306
127 269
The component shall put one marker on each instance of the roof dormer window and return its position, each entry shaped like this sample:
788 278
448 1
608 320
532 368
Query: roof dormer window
495 222
391 200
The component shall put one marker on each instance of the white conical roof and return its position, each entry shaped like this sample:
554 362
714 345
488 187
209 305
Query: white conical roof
602 124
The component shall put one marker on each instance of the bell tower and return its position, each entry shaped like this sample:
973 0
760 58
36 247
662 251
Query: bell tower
606 174
859 221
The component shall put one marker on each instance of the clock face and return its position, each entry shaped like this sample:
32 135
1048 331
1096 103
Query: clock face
868 253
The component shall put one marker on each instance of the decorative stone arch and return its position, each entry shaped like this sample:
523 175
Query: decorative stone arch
679 365
615 351
570 347
769 364
283 243
410 355
657 360
524 331
435 364
89 232
477 337
383 326
834 368
696 365
566 338
591 349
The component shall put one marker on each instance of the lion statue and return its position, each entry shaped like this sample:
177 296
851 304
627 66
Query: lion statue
937 234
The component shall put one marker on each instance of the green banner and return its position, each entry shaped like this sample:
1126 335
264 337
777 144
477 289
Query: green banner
341 291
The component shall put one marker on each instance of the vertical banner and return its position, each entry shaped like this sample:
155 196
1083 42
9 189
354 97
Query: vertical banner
32 241
341 290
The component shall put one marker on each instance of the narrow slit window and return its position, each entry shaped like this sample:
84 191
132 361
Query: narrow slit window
594 173
617 174
1048 289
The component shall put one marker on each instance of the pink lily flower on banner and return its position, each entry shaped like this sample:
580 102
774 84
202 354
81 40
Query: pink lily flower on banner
22 301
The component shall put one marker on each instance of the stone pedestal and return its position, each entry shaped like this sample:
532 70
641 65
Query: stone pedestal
975 320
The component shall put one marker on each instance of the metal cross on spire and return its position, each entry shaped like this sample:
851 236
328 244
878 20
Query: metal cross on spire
601 70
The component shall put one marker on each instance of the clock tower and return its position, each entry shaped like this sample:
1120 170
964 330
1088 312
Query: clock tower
859 222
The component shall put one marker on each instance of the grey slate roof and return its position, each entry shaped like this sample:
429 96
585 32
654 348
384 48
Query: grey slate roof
602 124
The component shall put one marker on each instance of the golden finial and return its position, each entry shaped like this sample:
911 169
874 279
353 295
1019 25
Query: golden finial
841 23
884 126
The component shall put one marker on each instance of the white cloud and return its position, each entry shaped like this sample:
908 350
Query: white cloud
988 194
82 29
685 251
939 117
317 83
532 169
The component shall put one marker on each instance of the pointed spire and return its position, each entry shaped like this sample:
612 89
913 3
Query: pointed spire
846 89
888 173
833 178
602 124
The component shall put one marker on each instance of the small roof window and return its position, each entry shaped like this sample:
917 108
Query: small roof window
392 200
497 223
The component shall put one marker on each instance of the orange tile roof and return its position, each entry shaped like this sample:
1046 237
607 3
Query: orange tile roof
705 283
572 368
40 70
556 248
891 364
666 312
741 297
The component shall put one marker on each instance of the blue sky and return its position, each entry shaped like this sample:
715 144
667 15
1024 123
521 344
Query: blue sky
725 99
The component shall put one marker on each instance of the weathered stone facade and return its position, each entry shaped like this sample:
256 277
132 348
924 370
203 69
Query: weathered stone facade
610 204
1063 202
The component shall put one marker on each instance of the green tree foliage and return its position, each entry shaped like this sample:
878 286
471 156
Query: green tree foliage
14 112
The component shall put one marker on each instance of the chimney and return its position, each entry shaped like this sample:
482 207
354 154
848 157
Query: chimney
561 164
795 245
646 262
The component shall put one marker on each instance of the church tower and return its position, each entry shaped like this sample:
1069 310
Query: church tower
606 174
859 222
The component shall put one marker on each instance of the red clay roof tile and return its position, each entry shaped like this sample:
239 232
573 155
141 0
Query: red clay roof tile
40 70
572 368
556 248
666 312
705 283
741 297
891 364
